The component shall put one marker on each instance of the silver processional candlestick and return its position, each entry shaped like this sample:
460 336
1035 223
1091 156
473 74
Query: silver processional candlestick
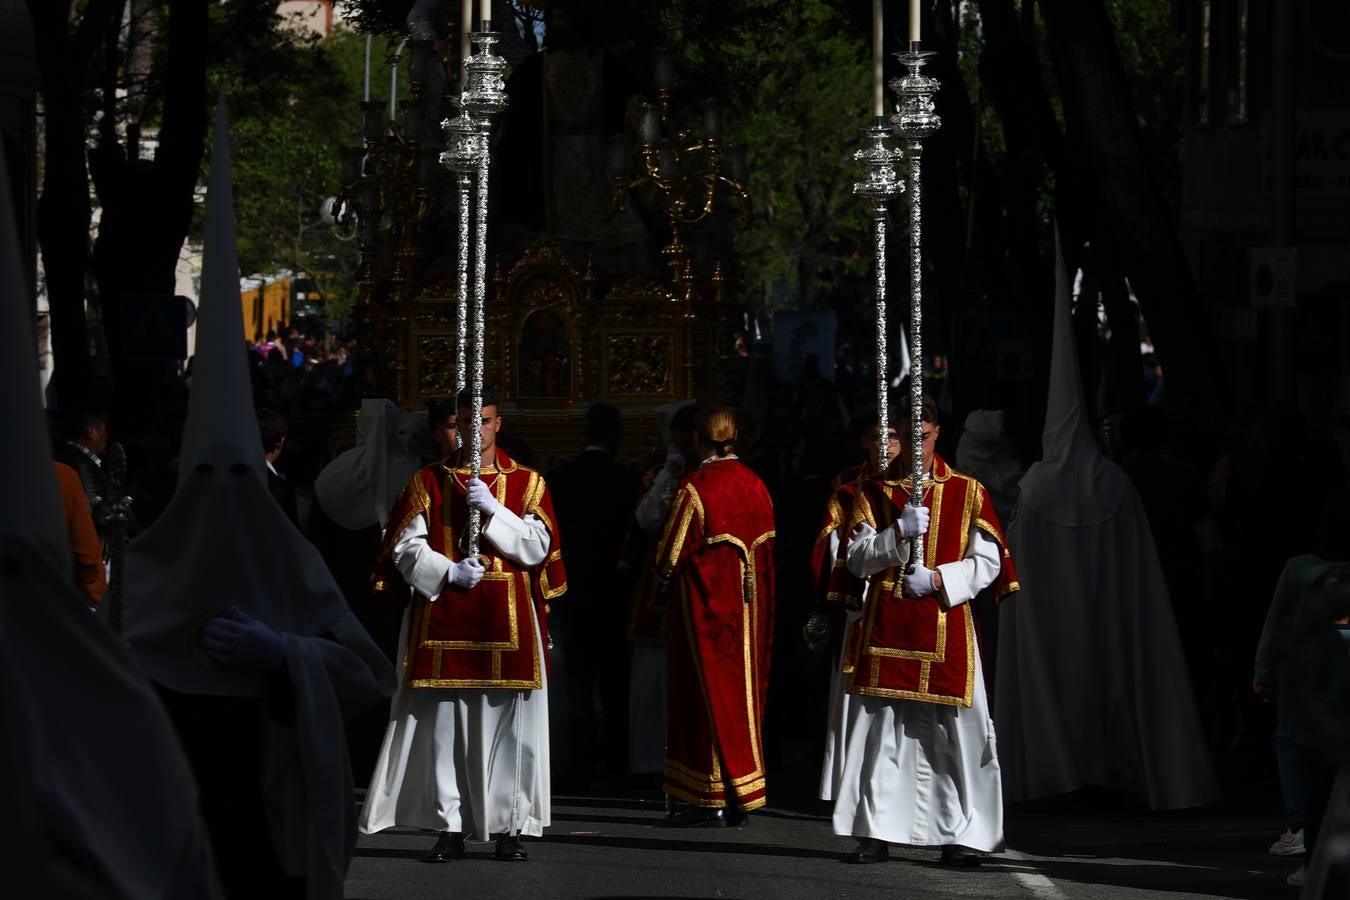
484 97
880 183
915 119
463 140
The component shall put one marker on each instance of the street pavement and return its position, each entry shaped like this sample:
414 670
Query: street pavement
610 848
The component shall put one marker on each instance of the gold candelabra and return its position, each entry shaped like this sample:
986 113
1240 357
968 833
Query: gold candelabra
391 185
683 168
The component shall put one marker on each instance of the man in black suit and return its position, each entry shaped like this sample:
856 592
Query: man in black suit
594 497
272 428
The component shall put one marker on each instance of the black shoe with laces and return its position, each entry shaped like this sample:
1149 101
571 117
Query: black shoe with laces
449 845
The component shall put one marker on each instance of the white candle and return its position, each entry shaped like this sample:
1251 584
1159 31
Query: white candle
465 27
484 10
914 21
877 94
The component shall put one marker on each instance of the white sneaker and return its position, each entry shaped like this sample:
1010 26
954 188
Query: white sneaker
1289 844
1297 877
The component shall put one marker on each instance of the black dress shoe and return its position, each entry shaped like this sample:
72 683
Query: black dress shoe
510 849
958 857
448 846
869 850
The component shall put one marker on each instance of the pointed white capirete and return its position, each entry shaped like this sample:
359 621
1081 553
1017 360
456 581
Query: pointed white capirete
358 488
1093 688
222 542
221 426
1073 484
104 803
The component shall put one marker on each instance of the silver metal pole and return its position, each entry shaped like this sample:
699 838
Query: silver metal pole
880 183
484 97
915 119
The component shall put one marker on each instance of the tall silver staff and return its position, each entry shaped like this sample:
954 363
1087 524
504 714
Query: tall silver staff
880 183
463 141
915 119
483 98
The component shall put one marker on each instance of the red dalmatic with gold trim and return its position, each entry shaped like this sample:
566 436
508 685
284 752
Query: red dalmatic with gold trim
483 637
718 546
838 513
914 648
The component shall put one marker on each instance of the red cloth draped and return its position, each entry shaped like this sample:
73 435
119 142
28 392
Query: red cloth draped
483 637
838 514
718 547
913 648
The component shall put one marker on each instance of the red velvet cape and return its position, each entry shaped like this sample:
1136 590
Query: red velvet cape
483 637
718 546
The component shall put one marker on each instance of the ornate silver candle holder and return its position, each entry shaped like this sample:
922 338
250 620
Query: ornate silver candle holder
465 146
915 119
880 183
483 98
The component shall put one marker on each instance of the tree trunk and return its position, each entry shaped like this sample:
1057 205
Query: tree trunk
147 205
1103 126
1035 145
63 210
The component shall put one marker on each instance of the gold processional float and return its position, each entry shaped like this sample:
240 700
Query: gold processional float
539 330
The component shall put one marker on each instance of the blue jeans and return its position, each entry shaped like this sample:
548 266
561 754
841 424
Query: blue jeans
1289 760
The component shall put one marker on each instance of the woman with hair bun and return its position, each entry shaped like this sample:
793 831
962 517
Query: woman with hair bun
717 551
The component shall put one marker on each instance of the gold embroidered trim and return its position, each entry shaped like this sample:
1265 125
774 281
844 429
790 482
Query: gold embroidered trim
691 507
834 519
536 684
421 506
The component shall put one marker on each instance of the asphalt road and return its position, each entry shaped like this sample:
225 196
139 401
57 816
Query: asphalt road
615 848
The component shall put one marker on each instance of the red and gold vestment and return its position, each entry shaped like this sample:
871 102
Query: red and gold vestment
915 648
482 637
838 514
717 547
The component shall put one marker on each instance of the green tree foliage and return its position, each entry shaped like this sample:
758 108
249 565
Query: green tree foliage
796 78
293 103
1150 48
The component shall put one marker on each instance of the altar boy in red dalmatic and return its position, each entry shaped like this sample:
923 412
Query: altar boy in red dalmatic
466 751
919 766
717 548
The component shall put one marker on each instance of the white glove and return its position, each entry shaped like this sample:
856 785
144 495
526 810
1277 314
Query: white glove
918 583
465 574
674 461
913 521
480 497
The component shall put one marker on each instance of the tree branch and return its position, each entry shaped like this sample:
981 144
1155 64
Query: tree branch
98 15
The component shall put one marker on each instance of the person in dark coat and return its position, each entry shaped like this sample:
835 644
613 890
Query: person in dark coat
272 429
594 496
